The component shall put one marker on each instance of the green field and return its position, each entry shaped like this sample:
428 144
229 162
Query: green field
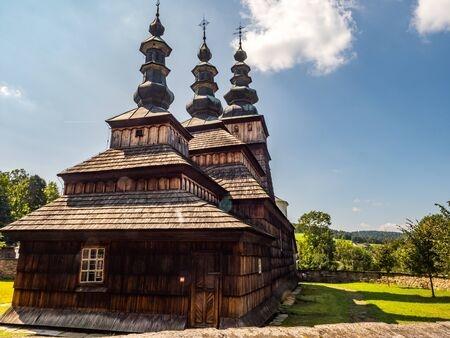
6 293
320 303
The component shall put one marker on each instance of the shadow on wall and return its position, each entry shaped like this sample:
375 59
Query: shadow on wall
319 304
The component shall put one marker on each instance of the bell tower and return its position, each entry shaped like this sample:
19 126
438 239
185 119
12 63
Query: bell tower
241 116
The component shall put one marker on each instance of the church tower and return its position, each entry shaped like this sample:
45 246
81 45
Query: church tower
241 116
204 105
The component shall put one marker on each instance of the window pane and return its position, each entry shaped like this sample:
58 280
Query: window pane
91 276
92 265
99 276
84 276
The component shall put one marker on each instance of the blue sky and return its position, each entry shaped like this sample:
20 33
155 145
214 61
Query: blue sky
361 132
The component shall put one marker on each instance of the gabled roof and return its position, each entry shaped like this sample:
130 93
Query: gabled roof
196 124
155 210
237 180
127 158
214 138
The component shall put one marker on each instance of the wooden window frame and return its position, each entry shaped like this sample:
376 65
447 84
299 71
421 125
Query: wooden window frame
96 261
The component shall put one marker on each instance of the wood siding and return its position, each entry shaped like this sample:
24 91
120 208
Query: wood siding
144 277
154 134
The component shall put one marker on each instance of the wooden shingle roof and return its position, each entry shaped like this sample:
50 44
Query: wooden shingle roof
214 138
155 210
136 157
237 180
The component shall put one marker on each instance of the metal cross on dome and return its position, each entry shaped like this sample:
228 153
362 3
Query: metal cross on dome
239 33
203 24
157 7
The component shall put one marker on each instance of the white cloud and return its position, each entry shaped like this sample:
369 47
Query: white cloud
283 33
431 16
356 209
364 225
388 227
10 92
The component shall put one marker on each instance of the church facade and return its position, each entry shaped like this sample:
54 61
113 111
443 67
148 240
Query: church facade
174 226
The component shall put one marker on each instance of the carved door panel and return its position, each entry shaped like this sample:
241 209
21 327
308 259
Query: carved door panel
205 290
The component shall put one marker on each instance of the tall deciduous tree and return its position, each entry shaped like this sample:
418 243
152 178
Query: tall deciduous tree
423 238
51 192
5 210
18 193
443 234
316 218
36 197
319 248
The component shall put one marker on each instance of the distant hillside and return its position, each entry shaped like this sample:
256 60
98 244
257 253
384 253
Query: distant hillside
367 236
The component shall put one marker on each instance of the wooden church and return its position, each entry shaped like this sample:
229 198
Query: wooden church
174 226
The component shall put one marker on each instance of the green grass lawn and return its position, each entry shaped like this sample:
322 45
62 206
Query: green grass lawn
6 293
321 303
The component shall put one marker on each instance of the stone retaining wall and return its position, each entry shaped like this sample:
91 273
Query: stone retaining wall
373 276
8 268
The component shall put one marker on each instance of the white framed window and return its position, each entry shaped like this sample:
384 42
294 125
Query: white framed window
259 266
92 265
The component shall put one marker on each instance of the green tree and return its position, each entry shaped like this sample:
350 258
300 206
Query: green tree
423 240
351 257
36 197
343 256
443 236
317 218
51 192
18 193
361 259
384 258
318 249
5 210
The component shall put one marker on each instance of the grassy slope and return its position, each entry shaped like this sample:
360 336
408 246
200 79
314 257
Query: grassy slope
6 293
357 302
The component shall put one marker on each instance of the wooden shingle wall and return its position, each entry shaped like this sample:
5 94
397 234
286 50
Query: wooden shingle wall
126 184
140 276
154 134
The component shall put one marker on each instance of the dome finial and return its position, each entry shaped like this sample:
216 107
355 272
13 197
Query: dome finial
240 54
204 54
239 29
203 24
156 27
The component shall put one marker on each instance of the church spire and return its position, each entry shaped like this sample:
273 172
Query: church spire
204 105
153 92
240 97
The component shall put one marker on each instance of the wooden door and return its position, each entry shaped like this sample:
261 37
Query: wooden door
204 310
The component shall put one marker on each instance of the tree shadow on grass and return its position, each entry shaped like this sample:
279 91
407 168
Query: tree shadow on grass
395 297
320 304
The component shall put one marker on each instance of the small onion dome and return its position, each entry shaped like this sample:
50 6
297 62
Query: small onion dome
240 55
204 54
156 27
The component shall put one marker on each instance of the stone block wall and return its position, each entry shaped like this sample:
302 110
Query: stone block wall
8 268
373 276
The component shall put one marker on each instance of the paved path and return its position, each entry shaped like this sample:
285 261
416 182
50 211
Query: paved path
351 330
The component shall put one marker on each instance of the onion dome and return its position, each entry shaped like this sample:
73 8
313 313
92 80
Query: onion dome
153 92
204 105
240 97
